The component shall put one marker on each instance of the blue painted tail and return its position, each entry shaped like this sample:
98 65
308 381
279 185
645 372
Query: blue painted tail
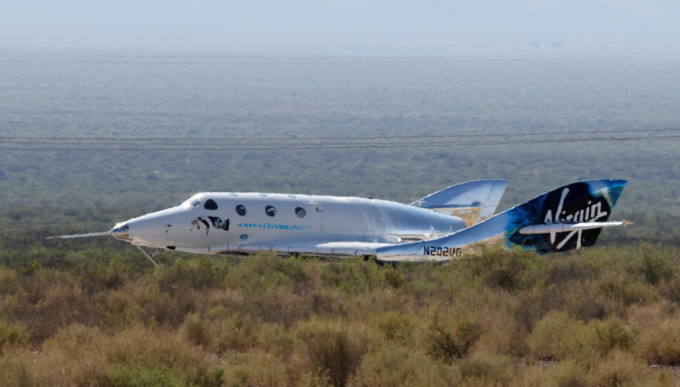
567 218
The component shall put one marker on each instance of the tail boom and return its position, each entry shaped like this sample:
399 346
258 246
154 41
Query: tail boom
567 218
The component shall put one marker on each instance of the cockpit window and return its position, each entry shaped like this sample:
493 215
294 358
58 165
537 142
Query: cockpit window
210 205
241 210
300 212
270 210
193 201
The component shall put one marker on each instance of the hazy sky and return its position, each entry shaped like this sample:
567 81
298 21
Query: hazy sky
342 27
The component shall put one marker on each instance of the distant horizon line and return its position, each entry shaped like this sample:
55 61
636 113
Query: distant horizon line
527 53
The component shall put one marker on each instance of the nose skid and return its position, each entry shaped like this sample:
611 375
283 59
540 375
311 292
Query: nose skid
121 232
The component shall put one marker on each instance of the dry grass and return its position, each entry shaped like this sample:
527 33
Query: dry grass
496 318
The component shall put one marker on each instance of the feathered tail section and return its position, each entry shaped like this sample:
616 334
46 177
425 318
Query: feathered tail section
567 218
472 201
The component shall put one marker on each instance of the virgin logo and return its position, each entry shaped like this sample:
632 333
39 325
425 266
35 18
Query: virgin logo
590 212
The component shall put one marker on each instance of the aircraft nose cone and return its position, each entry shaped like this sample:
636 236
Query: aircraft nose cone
121 232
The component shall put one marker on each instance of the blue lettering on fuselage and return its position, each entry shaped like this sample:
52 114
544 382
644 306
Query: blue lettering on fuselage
274 226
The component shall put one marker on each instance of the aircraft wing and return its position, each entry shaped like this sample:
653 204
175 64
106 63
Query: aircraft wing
325 249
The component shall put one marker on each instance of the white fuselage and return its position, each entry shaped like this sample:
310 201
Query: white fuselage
240 221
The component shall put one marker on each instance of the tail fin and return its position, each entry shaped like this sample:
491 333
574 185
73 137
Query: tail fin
473 201
567 218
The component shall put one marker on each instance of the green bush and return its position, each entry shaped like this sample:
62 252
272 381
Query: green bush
143 374
13 335
137 374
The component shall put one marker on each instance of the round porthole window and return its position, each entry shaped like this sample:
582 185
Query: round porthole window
270 210
241 210
300 212
210 205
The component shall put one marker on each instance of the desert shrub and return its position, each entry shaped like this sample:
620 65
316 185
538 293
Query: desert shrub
12 335
160 348
326 302
655 265
78 355
568 373
451 339
276 339
559 337
661 344
533 305
395 326
621 290
196 274
137 374
393 277
422 281
46 301
396 365
97 276
265 270
611 334
8 280
333 352
72 356
16 371
582 300
230 331
195 330
121 307
144 374
219 331
278 304
352 277
486 369
669 288
618 369
162 307
507 269
502 333
566 269
258 368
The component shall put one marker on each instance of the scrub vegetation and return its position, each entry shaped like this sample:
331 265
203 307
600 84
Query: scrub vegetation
104 316
95 312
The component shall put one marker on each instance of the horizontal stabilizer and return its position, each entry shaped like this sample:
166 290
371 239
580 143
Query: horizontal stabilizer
568 227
